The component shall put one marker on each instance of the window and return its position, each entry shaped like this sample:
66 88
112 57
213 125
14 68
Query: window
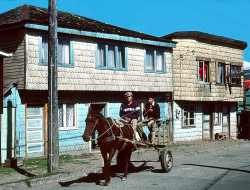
235 75
217 116
203 71
65 49
111 57
155 61
188 115
221 73
67 116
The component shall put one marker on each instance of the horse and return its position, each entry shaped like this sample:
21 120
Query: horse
109 142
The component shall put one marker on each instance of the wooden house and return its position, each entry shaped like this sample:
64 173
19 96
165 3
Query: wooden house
208 83
97 63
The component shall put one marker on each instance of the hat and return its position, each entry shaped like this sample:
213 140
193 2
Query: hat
127 94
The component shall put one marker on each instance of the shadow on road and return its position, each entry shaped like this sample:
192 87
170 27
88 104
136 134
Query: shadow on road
98 177
23 172
231 169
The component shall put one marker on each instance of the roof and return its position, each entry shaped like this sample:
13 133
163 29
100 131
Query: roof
202 35
8 84
247 84
36 15
246 74
4 54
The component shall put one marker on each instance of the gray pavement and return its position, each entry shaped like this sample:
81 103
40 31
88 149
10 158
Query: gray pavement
180 150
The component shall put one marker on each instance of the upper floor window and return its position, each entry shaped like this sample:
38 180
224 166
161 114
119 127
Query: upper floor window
67 116
235 75
203 71
221 73
188 115
155 61
111 57
65 55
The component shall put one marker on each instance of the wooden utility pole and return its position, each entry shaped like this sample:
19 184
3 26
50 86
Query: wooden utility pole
53 144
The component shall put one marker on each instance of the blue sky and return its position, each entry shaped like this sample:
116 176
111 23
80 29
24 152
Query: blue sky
229 18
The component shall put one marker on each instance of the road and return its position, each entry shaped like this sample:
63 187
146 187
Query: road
214 170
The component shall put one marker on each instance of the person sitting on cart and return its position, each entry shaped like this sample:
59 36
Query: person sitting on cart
152 112
130 111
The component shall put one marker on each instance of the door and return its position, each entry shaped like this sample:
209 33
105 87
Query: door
206 122
206 131
225 120
34 132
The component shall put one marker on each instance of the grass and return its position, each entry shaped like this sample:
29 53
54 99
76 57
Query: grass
41 163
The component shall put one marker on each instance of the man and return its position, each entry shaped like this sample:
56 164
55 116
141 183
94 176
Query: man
152 112
130 111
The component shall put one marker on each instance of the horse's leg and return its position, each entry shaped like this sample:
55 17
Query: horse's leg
107 163
126 161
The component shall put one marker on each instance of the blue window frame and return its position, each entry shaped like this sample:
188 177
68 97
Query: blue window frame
111 56
65 52
155 61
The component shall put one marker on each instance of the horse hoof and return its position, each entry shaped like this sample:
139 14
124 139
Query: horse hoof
124 178
106 183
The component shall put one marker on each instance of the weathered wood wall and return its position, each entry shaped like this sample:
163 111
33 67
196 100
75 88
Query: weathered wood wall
12 41
84 76
186 86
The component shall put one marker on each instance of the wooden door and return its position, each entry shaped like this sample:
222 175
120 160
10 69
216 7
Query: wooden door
225 120
34 132
206 126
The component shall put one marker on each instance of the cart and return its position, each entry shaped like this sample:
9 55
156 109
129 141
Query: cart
159 143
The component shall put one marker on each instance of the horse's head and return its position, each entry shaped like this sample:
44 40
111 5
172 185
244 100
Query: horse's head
91 123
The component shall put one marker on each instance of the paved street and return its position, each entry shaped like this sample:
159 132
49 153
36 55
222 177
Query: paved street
224 169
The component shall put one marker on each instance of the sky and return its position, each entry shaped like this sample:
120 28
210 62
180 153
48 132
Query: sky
228 18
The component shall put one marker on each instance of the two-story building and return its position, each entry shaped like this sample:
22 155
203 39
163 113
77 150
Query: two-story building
208 83
97 63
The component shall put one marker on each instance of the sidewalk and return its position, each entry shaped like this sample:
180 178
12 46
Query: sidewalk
83 165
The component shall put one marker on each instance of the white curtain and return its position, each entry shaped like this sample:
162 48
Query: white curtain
44 50
111 56
120 58
63 51
101 56
60 115
159 61
219 73
70 115
149 60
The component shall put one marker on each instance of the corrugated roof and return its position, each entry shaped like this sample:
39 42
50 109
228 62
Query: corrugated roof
36 15
202 35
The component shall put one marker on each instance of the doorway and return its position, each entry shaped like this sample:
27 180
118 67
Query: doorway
35 131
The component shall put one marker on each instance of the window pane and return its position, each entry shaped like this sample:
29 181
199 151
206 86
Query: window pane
200 71
121 57
101 56
206 71
160 61
70 115
235 70
60 115
191 121
44 50
150 60
221 73
63 51
111 56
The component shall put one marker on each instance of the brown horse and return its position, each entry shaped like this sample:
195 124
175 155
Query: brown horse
109 141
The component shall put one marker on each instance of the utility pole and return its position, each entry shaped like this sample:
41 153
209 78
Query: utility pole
53 144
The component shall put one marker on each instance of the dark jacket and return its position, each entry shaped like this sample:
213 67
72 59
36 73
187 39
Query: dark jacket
131 111
156 111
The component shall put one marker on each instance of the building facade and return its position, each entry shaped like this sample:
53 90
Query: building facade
97 64
208 83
